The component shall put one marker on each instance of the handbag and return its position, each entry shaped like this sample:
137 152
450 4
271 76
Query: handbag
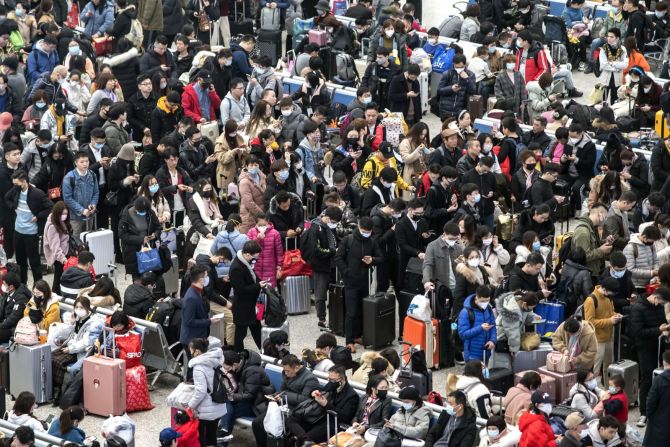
148 259
558 362
273 422
596 95
180 396
308 411
419 308
553 314
294 265
54 193
112 198
74 246
130 348
169 239
388 437
203 21
530 341
260 307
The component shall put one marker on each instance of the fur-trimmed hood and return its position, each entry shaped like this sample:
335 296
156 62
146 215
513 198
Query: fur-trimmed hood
469 274
599 123
508 308
122 58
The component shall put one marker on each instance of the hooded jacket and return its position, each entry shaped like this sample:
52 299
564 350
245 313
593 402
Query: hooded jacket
104 301
516 403
85 337
586 237
479 397
123 21
474 337
467 281
511 320
253 382
452 102
587 344
40 62
349 258
362 374
535 431
240 67
203 381
27 420
137 300
272 253
585 151
536 62
290 129
641 259
583 400
163 120
12 307
51 315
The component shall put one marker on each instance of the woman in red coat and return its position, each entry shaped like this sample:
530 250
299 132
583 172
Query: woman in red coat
269 263
534 425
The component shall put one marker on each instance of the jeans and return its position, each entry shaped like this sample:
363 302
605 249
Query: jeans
353 318
321 281
28 250
594 44
234 410
489 222
564 73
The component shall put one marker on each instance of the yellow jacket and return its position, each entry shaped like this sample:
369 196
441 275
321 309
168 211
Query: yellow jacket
52 314
373 166
600 316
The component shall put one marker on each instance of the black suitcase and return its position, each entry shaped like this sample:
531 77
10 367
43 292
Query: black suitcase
379 320
269 44
243 27
501 380
562 188
336 306
4 370
404 300
447 348
421 381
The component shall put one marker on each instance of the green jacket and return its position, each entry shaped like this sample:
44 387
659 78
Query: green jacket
614 19
150 15
586 237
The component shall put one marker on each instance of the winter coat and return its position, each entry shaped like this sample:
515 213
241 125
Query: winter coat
27 420
378 413
508 93
272 253
583 400
467 281
193 159
362 374
251 199
51 314
317 243
511 320
594 439
451 102
173 15
40 63
587 344
234 241
253 382
102 20
469 28
660 165
191 103
291 125
413 423
150 15
169 190
526 223
163 120
116 136
55 244
126 67
291 219
464 434
137 301
203 381
645 319
123 22
641 259
84 338
612 68
397 96
440 261
471 332
479 398
535 431
76 278
246 289
536 62
600 315
586 237
658 431
580 275
150 63
37 201
509 439
75 434
414 160
240 67
495 259
349 258
539 99
229 161
299 388
104 301
396 43
195 320
516 403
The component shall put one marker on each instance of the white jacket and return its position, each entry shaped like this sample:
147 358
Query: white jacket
203 380
579 394
25 419
509 439
479 397
613 68
495 258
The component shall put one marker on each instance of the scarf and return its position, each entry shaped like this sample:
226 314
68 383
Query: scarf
60 121
573 343
246 264
613 54
205 210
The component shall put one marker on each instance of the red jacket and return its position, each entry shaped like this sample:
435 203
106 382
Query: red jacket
535 431
621 415
190 436
191 104
536 64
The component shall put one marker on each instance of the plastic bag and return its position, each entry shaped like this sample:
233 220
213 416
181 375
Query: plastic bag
180 396
137 390
121 426
59 334
273 423
419 308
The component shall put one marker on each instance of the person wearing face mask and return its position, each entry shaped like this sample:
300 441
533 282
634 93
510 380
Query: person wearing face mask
291 122
617 403
617 224
576 429
195 155
414 150
287 214
525 273
263 78
471 204
635 170
613 59
277 181
578 159
477 326
138 225
15 298
138 298
268 267
123 181
439 264
432 44
482 176
412 418
374 409
384 220
386 37
378 74
356 108
577 340
531 60
442 198
229 150
470 275
380 179
648 322
412 234
647 101
43 307
59 123
7 100
470 24
617 270
199 100
585 395
497 433
457 424
455 86
534 424
356 253
641 256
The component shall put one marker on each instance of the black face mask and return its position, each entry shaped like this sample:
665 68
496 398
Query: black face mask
381 394
207 194
417 217
205 85
530 166
35 316
331 386
352 141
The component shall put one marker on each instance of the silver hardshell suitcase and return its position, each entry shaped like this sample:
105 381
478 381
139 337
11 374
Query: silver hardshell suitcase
30 370
296 293
171 277
266 331
531 360
425 95
101 244
629 370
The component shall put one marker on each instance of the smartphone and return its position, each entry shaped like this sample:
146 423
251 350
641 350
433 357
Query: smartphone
49 419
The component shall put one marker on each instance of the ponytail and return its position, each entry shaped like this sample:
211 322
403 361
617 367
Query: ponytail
68 416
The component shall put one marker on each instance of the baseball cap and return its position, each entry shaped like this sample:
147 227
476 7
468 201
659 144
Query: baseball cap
168 435
386 149
206 75
540 397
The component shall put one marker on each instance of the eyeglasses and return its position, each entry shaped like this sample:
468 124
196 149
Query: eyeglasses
145 84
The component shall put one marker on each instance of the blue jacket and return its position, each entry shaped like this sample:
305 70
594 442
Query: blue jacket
40 62
431 49
233 241
75 434
304 149
452 102
101 21
473 336
240 66
84 193
571 15
194 317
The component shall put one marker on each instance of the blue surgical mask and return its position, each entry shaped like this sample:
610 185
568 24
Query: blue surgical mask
252 171
659 14
492 433
206 280
365 235
492 50
486 373
450 410
510 66
141 213
618 274
612 390
40 104
153 189
367 100
74 51
99 145
478 197
283 175
407 406
536 246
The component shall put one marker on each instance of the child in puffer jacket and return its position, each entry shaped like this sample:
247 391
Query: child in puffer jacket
477 325
269 263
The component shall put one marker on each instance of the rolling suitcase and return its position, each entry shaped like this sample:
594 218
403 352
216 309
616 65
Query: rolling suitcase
378 318
30 370
4 370
531 360
501 379
269 44
424 89
101 244
266 331
476 106
171 277
296 293
318 36
548 383
105 382
422 381
435 79
336 306
424 334
270 19
630 371
564 382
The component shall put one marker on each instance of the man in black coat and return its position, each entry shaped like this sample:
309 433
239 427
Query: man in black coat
537 134
636 172
448 153
580 152
78 277
541 191
525 277
138 298
158 58
95 121
647 322
140 106
15 297
384 220
276 181
537 219
658 432
30 222
463 432
152 158
378 75
287 215
174 181
11 162
404 94
441 199
482 176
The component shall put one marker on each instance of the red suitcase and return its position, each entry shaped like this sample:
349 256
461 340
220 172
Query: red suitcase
425 335
548 383
105 382
564 382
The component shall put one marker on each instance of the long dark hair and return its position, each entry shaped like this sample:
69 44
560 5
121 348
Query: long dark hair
144 190
414 133
68 416
43 287
105 286
56 212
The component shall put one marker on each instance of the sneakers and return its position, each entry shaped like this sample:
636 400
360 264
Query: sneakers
642 422
323 326
582 66
588 69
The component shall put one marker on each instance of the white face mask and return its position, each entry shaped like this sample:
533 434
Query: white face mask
459 70
518 43
432 41
487 147
487 242
483 306
510 66
80 313
4 288
647 89
574 140
332 226
545 408
389 33
474 263
286 112
262 228
450 242
592 384
584 433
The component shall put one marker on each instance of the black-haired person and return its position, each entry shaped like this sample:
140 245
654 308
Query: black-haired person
66 427
194 155
647 102
375 408
585 394
138 298
641 257
457 424
604 431
455 86
656 434
477 326
498 433
140 106
175 184
15 298
43 303
534 424
413 418
381 189
22 412
622 300
485 180
166 117
138 227
78 277
578 341
404 94
32 207
518 398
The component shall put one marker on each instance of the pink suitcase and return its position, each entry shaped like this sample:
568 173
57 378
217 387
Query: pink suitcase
105 382
317 36
548 383
564 382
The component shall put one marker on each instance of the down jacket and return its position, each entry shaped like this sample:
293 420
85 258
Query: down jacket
272 253
451 102
12 307
51 315
479 397
137 301
362 374
88 333
413 423
102 20
511 320
254 383
535 431
641 259
471 332
251 199
300 387
203 380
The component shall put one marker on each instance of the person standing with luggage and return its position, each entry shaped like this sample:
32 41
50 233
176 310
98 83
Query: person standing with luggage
204 362
354 258
647 323
384 220
80 193
404 94
587 237
599 310
577 340
515 311
477 325
15 297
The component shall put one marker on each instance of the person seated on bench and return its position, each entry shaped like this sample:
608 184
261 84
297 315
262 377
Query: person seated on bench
76 278
319 358
413 418
23 436
336 395
498 433
472 384
22 412
67 425
276 345
517 400
460 431
138 298
15 296
46 303
103 294
375 407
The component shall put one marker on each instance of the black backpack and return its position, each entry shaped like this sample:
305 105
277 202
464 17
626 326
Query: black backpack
341 356
161 313
275 309
219 392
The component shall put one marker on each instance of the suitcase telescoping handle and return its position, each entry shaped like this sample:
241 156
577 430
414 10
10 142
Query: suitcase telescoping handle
332 414
658 357
105 331
295 242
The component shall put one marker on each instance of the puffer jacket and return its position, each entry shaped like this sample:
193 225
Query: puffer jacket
85 337
203 380
291 219
511 320
251 199
495 259
137 301
126 67
451 102
580 275
538 97
272 253
587 346
535 431
516 403
291 125
234 241
253 382
471 332
641 259
413 423
76 278
300 387
102 20
509 439
479 397
583 400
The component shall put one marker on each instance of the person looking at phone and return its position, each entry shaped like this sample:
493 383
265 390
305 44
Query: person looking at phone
246 287
641 256
477 325
587 236
67 425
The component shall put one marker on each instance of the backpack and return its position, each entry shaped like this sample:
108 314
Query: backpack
219 392
341 356
564 292
347 74
301 26
161 313
16 41
307 242
356 179
26 332
596 62
344 124
270 19
554 30
519 146
579 313
435 398
343 40
292 13
275 309
564 251
538 14
136 34
648 30
451 26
